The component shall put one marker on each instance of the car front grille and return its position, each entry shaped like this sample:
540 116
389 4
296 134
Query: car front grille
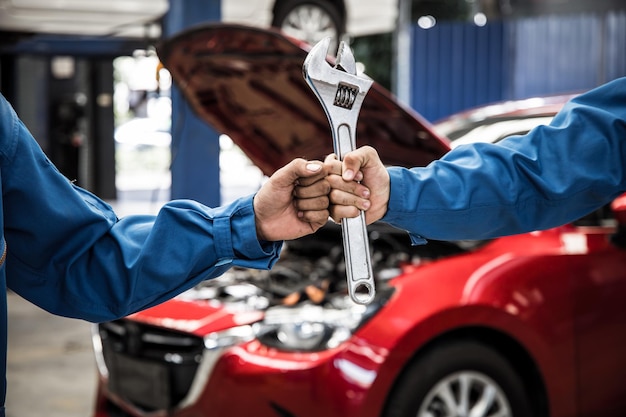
149 367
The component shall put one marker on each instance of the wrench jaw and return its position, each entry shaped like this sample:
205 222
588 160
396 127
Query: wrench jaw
345 59
314 67
325 79
341 93
317 67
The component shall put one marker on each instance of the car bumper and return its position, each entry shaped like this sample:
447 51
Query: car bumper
252 379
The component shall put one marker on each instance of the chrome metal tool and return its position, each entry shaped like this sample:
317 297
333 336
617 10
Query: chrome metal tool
341 93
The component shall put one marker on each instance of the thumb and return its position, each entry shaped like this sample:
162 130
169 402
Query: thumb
298 168
354 161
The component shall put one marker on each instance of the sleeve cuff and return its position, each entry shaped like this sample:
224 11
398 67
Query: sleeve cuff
239 233
397 199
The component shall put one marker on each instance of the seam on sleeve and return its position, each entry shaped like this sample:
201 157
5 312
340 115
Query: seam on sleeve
223 238
8 151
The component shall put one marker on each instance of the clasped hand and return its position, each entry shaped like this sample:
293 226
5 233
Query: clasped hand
299 198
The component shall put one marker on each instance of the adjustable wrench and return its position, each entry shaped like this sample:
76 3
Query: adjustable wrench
341 93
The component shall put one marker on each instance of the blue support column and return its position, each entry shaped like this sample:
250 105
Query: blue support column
195 146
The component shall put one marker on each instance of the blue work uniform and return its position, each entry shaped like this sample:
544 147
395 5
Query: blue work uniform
67 252
549 177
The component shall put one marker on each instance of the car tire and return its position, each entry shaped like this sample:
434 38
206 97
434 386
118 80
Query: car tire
432 384
310 20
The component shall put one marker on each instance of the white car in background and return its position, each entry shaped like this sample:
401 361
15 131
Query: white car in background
308 20
312 20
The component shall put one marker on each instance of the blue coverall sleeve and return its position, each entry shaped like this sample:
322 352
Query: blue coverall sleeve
71 255
553 175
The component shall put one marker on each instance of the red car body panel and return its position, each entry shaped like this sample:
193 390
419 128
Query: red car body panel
503 287
196 317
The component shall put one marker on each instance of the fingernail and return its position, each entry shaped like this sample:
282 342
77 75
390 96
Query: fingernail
366 193
366 204
313 167
348 174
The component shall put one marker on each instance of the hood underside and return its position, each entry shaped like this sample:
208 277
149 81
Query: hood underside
247 83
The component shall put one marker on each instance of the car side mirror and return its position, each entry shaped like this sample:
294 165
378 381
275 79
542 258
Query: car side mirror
618 206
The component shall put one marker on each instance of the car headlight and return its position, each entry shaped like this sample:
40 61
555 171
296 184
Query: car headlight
309 327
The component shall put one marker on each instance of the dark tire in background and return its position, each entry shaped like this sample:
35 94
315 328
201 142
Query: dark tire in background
310 20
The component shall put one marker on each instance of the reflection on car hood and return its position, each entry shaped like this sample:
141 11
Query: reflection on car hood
247 83
200 318
527 112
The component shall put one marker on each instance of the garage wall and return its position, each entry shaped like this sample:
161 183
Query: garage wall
457 65
561 53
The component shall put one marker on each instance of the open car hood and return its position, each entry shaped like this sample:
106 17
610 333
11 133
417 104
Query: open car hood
247 83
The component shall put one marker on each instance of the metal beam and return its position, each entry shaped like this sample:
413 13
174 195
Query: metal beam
195 146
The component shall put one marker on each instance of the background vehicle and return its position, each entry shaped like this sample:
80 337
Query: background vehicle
526 325
308 20
313 20
494 122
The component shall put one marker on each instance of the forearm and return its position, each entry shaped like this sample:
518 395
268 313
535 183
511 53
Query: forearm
140 261
69 254
551 176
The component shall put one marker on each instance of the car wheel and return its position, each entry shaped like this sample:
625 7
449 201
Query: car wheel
459 379
310 20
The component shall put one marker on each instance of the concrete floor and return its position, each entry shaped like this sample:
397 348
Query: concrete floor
51 370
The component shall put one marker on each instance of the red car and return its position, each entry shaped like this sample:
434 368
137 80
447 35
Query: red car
527 325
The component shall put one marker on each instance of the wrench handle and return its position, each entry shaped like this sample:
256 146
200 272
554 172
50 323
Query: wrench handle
355 238
357 258
344 141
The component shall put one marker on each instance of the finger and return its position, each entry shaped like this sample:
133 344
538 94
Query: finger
337 213
333 164
318 188
353 161
307 182
319 203
297 169
313 169
317 218
341 198
338 183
